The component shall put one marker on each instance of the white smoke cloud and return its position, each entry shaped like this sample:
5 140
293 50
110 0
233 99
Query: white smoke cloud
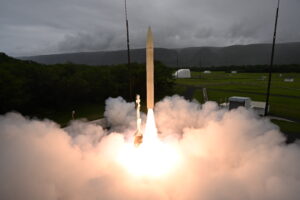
226 155
120 115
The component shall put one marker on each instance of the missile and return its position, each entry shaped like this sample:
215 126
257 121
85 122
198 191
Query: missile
138 139
150 69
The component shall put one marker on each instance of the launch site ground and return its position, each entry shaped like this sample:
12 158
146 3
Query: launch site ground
284 98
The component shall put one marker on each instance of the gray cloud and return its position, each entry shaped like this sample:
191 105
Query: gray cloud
41 27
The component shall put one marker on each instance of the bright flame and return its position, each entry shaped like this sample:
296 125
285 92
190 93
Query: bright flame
152 158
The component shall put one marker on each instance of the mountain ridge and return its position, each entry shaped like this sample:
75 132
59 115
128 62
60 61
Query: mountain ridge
251 54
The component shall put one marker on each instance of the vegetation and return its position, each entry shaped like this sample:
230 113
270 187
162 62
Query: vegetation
251 68
284 99
53 91
285 96
291 129
47 90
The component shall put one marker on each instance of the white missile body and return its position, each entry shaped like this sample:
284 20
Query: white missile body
138 139
150 70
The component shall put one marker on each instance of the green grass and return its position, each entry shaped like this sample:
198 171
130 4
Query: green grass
290 129
178 89
86 111
221 85
199 96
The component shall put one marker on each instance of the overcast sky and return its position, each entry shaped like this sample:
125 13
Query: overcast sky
31 27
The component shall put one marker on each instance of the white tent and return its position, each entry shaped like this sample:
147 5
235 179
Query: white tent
207 72
289 80
182 73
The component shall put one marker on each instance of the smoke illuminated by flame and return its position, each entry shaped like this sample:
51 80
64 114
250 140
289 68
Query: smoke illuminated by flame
196 152
152 158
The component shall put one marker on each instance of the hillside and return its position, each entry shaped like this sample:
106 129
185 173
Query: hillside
38 90
254 54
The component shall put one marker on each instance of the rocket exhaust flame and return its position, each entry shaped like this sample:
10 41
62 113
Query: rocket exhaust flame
153 158
150 135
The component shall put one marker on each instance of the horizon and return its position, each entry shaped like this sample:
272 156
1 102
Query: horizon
116 50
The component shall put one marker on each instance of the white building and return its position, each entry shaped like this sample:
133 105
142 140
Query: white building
262 78
235 102
182 73
289 80
207 72
233 72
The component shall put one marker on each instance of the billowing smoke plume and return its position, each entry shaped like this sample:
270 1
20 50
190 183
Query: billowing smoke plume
225 155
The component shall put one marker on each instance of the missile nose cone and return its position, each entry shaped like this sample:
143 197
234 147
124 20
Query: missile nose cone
149 38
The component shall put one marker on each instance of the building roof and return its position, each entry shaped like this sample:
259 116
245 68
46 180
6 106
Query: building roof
239 99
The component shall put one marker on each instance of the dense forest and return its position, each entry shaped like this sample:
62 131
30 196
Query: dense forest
30 88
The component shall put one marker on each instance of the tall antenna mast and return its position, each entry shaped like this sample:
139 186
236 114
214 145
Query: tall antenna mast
127 31
128 52
271 62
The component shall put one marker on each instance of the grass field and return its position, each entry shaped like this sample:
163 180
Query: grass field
87 111
289 128
284 99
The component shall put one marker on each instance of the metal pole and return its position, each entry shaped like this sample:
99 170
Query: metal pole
127 31
177 59
128 53
271 62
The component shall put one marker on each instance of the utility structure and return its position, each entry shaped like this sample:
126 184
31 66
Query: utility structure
128 53
271 62
138 139
127 34
177 59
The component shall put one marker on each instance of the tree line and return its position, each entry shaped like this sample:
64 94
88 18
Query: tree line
29 87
